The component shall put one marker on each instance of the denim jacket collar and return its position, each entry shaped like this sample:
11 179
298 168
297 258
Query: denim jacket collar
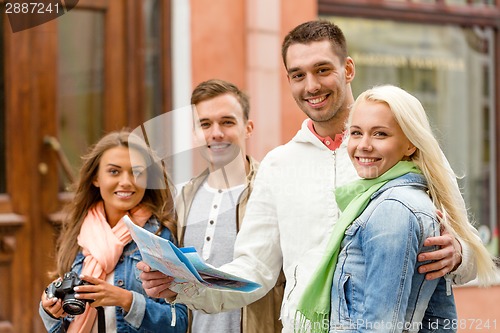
410 179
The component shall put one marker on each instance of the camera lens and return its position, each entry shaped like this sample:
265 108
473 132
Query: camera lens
74 306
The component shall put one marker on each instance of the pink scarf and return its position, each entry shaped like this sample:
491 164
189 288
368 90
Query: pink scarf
102 247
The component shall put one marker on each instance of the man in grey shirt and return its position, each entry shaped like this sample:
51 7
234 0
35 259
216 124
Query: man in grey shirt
211 206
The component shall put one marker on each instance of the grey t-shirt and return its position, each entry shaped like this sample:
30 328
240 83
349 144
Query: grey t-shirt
211 229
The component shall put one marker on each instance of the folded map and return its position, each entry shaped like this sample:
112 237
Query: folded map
189 270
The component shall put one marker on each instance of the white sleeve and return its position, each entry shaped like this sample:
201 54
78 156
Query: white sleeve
257 252
467 270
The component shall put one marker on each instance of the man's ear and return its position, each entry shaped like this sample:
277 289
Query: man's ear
350 70
249 128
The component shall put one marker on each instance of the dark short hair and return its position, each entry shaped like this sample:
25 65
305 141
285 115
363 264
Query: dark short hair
315 31
215 87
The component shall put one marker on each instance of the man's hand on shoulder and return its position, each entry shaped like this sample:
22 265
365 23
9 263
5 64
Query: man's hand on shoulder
444 260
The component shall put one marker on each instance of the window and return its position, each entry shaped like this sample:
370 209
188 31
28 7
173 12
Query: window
80 81
152 58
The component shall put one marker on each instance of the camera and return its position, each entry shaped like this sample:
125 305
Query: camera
64 289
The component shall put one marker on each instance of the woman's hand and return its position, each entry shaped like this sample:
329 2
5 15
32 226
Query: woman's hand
53 306
103 293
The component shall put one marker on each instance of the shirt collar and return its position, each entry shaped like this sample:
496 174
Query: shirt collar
330 143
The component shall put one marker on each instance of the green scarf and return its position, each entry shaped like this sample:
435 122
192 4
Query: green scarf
352 199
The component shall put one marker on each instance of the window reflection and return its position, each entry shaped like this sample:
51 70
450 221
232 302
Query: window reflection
449 69
152 56
80 82
157 94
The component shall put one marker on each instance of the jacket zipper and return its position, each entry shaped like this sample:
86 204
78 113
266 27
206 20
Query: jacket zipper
285 306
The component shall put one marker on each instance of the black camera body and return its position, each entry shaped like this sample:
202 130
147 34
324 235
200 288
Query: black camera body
64 290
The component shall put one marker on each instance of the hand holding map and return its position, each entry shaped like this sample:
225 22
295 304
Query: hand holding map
189 270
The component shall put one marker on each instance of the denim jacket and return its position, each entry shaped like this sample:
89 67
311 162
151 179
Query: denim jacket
376 285
146 314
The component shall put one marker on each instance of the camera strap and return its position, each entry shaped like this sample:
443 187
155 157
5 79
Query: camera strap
101 320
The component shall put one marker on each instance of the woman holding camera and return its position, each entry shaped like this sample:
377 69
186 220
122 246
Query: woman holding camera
119 177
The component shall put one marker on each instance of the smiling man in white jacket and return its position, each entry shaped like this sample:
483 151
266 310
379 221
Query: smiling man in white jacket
292 209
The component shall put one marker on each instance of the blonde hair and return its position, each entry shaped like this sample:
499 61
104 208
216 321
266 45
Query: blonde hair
443 188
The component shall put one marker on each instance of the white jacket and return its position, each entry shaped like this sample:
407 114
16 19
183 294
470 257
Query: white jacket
288 221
